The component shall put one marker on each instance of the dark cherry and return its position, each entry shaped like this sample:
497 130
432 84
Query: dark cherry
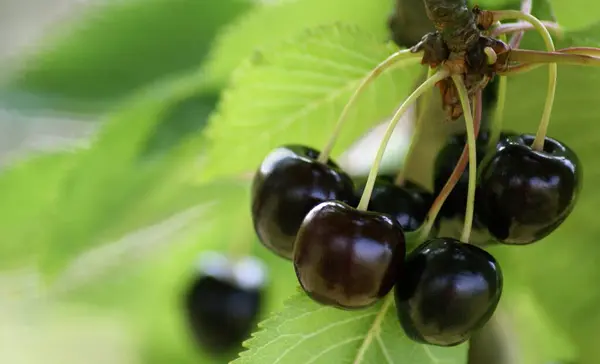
451 216
348 258
287 185
408 204
526 194
224 301
448 290
445 162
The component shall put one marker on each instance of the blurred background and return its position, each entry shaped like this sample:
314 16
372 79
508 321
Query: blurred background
111 184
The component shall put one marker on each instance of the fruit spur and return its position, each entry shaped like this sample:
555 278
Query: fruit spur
353 244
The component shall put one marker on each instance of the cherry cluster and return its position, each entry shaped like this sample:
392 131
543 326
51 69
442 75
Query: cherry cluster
350 258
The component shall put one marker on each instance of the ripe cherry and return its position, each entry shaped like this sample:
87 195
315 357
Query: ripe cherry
451 216
526 194
447 291
346 257
287 185
224 301
445 162
408 204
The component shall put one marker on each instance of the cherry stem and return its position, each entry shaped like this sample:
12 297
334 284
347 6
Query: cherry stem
520 27
379 69
424 87
454 176
585 52
526 6
530 56
496 127
540 136
463 95
401 177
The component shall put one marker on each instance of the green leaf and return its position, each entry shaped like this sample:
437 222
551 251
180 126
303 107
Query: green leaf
307 332
562 270
26 191
124 168
295 93
576 15
117 47
285 20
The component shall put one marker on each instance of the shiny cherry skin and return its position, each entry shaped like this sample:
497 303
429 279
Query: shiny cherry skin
223 302
287 185
525 194
447 291
348 258
408 204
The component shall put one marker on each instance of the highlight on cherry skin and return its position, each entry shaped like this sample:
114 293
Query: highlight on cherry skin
224 300
348 258
287 185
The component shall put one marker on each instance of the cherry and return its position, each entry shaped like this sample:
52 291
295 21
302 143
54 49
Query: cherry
451 216
448 290
445 162
526 194
287 185
408 204
346 257
224 300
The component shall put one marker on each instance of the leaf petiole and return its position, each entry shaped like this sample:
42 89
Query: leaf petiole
392 60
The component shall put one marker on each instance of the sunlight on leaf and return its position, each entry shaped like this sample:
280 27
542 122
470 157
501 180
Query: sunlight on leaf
285 20
295 94
307 332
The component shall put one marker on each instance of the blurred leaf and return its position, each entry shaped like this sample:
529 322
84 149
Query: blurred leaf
147 277
265 27
307 332
294 94
121 170
576 15
117 47
26 190
562 271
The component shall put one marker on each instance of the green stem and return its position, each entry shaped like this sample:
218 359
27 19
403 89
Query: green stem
424 87
389 62
422 109
538 143
463 94
496 128
459 169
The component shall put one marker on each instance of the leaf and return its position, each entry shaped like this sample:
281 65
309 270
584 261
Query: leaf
576 15
285 20
294 94
123 169
307 332
26 191
562 269
117 47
